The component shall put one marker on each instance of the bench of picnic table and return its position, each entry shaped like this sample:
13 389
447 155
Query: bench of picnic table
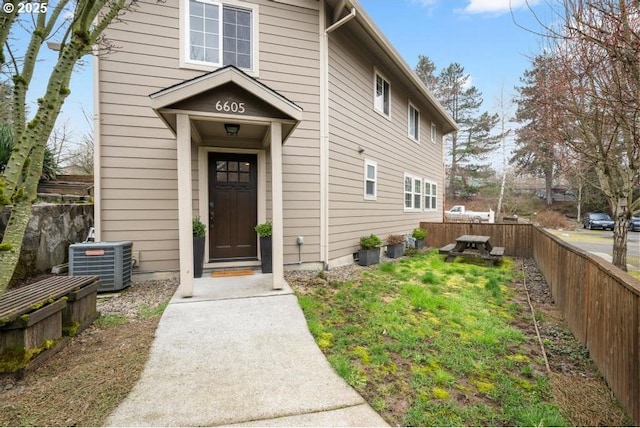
497 251
35 315
447 248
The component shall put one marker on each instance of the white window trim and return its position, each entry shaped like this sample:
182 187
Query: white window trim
434 132
377 73
431 183
368 162
413 192
409 118
202 66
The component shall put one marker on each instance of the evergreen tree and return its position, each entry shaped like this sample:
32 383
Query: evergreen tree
473 142
539 112
426 69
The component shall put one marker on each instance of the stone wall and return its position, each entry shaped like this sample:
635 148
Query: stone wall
52 228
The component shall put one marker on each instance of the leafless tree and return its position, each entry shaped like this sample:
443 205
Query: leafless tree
78 26
597 55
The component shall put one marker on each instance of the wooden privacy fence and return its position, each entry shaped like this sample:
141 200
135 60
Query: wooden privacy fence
600 303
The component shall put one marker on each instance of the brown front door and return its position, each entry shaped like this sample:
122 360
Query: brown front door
233 206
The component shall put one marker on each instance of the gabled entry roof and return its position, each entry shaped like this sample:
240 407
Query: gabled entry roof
228 95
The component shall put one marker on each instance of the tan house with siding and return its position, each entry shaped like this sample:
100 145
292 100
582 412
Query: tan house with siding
295 111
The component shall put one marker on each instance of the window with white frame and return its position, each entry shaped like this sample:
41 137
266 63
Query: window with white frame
414 123
433 132
430 195
412 192
219 34
370 179
382 100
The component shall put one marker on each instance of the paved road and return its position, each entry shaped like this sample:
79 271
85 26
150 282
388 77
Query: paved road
600 241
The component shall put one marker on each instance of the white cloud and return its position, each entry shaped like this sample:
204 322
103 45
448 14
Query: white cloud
496 6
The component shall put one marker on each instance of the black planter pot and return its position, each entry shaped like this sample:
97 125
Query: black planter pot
369 257
395 251
198 256
265 254
419 243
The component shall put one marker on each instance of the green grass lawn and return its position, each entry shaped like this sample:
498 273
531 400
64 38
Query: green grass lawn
432 344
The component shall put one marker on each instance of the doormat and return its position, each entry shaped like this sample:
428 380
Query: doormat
241 272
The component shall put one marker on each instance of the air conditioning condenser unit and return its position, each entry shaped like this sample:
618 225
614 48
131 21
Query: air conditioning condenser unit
110 261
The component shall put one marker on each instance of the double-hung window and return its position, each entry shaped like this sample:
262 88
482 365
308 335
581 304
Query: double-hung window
430 196
382 95
414 123
219 34
370 179
412 192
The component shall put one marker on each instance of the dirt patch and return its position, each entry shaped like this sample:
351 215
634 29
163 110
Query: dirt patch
578 388
82 383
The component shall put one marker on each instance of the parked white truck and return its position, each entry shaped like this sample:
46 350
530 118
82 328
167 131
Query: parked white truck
459 213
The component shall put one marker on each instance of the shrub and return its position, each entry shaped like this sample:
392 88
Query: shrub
419 233
395 239
369 242
264 230
198 227
552 219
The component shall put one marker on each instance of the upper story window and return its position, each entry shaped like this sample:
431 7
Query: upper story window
370 179
414 123
219 34
382 95
433 132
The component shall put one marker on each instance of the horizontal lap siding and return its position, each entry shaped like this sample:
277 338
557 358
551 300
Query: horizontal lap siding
289 64
353 124
138 152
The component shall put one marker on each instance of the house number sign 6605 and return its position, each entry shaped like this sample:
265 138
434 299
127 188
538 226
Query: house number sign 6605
230 107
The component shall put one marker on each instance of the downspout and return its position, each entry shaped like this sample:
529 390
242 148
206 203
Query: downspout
324 125
97 190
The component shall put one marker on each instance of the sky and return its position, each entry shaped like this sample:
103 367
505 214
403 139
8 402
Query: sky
484 36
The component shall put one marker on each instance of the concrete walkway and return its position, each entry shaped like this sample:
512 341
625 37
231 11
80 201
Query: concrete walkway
240 353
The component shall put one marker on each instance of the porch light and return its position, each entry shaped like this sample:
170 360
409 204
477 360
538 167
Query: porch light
232 129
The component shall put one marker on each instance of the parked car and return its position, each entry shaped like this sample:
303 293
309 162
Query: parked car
597 221
634 223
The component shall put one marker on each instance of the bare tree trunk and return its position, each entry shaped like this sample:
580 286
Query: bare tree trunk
580 199
620 216
548 184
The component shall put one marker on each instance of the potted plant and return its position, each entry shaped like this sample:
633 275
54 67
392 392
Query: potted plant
369 253
419 235
264 231
199 230
395 246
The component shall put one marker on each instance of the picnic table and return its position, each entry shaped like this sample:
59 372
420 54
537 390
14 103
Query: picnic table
473 246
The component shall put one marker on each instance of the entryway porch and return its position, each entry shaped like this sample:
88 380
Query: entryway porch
227 124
